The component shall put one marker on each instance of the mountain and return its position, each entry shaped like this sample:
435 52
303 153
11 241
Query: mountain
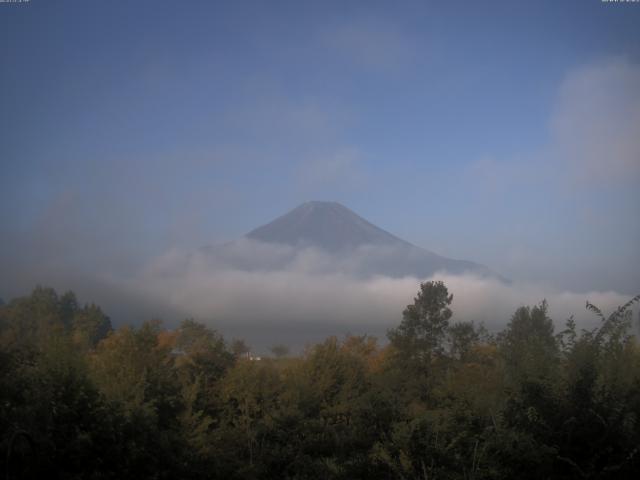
346 242
326 225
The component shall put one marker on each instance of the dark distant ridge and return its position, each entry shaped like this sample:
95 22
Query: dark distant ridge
327 225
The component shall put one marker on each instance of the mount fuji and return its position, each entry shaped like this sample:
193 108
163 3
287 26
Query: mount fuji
327 236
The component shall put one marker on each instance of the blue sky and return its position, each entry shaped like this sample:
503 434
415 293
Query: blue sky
501 132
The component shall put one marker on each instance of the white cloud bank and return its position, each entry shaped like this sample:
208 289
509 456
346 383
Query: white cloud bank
312 289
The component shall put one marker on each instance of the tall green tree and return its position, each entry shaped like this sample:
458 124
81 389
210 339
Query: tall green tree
528 344
423 329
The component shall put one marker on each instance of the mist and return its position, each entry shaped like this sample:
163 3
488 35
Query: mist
270 293
314 288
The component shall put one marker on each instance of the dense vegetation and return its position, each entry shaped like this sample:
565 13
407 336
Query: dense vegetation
440 400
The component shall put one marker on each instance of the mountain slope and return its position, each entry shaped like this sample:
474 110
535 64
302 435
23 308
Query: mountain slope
327 225
345 242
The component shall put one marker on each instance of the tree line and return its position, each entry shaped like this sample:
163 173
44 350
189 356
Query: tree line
439 400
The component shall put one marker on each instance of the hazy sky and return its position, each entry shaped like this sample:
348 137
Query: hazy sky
507 133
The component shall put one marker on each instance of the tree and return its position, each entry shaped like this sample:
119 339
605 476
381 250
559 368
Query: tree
90 325
132 369
250 393
239 348
421 334
30 321
462 338
528 345
280 350
203 352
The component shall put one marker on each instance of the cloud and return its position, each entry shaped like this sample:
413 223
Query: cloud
268 293
567 208
596 121
594 127
310 287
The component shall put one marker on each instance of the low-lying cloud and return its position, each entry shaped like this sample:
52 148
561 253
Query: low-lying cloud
271 294
283 285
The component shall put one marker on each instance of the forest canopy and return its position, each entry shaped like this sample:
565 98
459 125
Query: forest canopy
439 400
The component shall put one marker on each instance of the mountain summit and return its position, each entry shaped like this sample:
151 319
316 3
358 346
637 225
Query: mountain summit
346 243
327 225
